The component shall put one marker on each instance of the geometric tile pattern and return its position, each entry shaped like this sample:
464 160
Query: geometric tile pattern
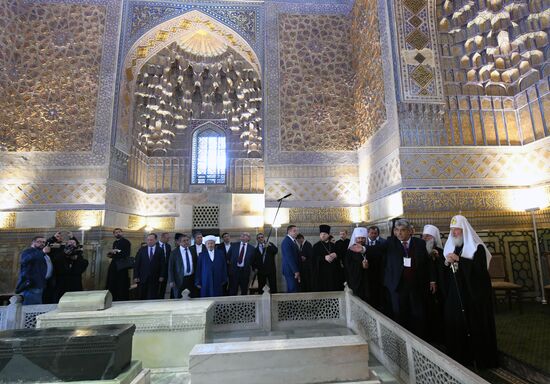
395 348
316 83
427 372
130 200
367 322
39 194
274 77
419 66
521 264
497 166
368 89
234 313
417 39
387 174
240 18
206 216
314 309
50 77
422 75
343 191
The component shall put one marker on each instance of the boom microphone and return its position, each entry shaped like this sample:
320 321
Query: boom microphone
284 197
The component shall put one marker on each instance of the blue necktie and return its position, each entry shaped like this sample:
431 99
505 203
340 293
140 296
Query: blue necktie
187 262
150 253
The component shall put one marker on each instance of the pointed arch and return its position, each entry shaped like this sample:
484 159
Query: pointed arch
156 39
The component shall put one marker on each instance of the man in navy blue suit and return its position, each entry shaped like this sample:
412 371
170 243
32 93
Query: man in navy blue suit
242 255
291 265
408 276
149 269
36 268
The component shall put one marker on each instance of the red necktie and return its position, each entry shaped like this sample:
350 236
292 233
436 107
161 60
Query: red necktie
241 255
406 247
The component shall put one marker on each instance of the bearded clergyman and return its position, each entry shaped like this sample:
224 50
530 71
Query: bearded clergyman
470 335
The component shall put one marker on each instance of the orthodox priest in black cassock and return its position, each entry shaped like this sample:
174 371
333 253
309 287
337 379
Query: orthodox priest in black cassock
327 269
470 337
118 281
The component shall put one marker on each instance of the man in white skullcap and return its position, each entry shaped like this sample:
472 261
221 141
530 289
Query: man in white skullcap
434 305
211 272
470 335
357 264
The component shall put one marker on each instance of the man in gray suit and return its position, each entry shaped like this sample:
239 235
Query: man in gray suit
181 267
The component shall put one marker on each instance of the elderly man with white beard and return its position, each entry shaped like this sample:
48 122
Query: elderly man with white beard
434 305
470 335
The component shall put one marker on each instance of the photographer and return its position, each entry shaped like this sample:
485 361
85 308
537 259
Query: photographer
70 268
54 250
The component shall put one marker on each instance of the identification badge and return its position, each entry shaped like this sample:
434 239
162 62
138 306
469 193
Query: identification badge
407 262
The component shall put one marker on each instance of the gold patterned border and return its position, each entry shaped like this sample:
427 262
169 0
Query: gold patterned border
475 200
318 216
79 218
7 220
136 222
454 201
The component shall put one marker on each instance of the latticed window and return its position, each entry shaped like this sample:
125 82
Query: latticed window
209 157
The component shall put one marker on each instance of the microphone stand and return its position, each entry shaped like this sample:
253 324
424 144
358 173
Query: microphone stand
271 228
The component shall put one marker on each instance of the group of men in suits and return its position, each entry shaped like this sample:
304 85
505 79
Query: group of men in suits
204 268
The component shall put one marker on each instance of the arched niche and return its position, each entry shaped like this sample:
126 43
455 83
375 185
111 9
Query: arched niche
157 39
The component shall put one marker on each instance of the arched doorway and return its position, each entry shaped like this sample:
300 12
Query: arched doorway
183 73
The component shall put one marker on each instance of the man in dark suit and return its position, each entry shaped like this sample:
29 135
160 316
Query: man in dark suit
264 263
242 255
291 269
181 270
408 276
225 246
149 269
305 257
375 271
166 250
198 246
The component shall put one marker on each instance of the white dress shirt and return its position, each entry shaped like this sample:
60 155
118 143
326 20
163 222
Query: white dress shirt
198 248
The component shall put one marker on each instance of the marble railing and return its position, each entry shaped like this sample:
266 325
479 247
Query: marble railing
406 356
17 316
278 311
